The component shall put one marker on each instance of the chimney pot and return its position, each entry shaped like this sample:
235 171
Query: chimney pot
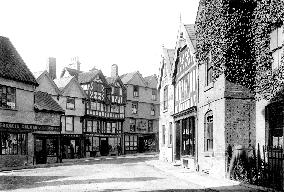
51 67
114 70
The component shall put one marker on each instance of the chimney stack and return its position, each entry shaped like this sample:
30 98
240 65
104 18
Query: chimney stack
75 63
114 70
51 67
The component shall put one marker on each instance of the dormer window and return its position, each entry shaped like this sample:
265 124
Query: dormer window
276 46
135 91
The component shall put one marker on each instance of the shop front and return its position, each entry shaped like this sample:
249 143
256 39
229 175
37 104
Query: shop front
72 146
185 123
46 148
24 144
102 145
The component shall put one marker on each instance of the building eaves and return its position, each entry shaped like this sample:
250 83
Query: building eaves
12 66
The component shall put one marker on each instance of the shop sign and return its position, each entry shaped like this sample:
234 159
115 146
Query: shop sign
29 127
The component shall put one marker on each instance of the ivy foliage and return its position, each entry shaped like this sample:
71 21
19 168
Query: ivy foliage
237 33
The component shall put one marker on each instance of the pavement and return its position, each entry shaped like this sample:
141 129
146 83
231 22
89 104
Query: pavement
137 172
203 179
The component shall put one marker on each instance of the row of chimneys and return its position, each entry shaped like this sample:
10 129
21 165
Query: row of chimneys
75 64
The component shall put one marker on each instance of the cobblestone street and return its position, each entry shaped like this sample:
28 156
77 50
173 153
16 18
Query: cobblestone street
124 173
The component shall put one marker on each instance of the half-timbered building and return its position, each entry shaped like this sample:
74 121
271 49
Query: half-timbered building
185 101
104 111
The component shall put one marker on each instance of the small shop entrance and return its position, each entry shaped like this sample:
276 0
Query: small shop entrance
71 148
46 149
40 151
104 147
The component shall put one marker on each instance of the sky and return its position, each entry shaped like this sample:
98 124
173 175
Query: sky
129 33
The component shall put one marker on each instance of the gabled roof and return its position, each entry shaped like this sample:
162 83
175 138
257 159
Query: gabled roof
151 81
44 102
74 81
12 65
62 82
113 80
46 74
88 77
190 28
72 72
168 57
126 78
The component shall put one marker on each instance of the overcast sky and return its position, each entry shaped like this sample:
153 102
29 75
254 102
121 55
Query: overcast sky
129 33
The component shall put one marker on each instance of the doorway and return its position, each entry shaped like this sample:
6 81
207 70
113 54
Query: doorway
178 133
40 151
104 147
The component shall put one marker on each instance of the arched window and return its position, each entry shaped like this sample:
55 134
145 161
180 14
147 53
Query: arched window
208 131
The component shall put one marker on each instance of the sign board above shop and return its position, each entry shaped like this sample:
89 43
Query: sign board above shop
19 126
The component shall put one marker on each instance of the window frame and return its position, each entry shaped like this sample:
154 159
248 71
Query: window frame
12 95
209 70
153 112
19 145
279 46
135 91
132 125
150 125
69 102
154 95
208 134
66 123
163 135
170 133
165 102
134 104
131 144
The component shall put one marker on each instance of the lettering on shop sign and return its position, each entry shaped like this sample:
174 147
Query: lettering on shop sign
29 127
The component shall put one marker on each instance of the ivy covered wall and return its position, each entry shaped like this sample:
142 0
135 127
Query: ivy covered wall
237 33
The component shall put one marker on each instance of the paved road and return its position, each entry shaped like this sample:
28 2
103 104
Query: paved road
129 173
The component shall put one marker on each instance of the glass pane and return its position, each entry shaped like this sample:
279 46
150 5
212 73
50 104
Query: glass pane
69 123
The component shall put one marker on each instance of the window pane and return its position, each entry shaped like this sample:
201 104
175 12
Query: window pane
89 126
70 103
273 40
69 123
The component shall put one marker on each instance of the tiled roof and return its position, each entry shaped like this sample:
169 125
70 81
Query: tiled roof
151 81
87 76
44 102
191 33
12 65
126 77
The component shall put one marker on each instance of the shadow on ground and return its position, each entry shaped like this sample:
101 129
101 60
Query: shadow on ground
111 160
16 182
